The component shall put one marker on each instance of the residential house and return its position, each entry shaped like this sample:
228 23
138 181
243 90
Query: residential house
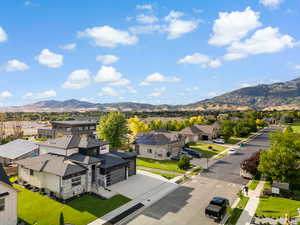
8 200
60 128
199 132
73 165
159 145
16 150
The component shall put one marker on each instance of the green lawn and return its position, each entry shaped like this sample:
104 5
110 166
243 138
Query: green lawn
253 184
168 165
296 128
234 140
203 147
277 207
36 209
165 175
236 212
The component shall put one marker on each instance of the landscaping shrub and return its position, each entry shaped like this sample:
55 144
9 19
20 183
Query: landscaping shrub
184 163
210 147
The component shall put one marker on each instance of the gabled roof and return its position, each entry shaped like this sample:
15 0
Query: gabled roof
52 163
17 148
73 141
207 129
3 177
191 130
158 138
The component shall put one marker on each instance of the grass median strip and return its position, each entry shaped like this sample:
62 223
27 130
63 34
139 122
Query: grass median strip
165 175
237 211
253 184
167 165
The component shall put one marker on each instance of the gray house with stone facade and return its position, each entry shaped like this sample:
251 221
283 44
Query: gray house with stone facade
159 145
74 165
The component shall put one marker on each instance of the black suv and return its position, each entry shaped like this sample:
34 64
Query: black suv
216 208
192 152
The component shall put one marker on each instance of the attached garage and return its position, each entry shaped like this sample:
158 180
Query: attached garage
116 175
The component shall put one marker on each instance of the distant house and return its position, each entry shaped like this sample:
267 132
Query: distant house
199 132
16 150
159 145
71 127
8 200
73 165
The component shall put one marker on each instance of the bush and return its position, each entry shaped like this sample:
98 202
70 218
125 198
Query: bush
210 147
184 163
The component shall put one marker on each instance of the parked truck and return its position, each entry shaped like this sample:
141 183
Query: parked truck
217 208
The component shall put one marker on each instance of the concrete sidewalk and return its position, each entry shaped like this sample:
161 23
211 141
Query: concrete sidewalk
251 206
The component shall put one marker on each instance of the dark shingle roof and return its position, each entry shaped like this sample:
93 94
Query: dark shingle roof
74 123
123 154
157 138
111 160
52 163
3 177
84 158
17 148
74 141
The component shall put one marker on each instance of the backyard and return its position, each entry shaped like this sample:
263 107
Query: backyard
207 149
34 208
167 165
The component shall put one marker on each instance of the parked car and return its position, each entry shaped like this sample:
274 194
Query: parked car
193 152
175 157
184 153
232 152
216 208
219 141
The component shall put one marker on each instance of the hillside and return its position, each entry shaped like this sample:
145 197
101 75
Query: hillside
284 95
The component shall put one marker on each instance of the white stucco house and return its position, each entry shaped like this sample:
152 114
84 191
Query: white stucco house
8 200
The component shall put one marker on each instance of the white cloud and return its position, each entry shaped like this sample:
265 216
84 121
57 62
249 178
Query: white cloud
173 15
267 40
212 94
40 95
178 27
158 92
50 59
271 3
297 67
5 94
158 78
70 46
110 76
109 91
200 59
78 79
3 35
107 59
230 27
147 29
144 7
146 19
131 90
107 36
15 65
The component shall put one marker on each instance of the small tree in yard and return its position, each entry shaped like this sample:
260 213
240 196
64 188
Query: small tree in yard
184 163
250 165
61 219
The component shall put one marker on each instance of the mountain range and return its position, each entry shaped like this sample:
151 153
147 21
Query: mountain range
281 95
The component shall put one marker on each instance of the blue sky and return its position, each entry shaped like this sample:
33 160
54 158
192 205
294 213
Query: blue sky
144 51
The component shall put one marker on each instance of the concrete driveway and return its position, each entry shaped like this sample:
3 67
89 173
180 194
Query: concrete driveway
185 205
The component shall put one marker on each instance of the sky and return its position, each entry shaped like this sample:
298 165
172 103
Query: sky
158 52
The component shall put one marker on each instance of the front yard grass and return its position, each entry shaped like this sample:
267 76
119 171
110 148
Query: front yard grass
296 128
236 212
167 165
165 175
204 148
253 184
36 209
274 207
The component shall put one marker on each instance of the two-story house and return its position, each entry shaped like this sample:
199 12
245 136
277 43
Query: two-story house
73 165
8 200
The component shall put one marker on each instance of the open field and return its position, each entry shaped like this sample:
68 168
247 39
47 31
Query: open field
167 165
207 149
34 208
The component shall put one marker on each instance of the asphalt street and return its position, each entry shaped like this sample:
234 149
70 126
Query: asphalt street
186 205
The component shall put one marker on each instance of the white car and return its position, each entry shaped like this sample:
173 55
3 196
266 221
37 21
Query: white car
232 152
219 141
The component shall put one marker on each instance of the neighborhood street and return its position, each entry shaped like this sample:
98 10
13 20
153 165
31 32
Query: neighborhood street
185 205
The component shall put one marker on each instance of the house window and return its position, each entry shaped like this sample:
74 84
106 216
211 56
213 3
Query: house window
76 181
2 204
31 172
149 150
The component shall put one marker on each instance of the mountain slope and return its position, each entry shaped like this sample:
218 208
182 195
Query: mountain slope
259 97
